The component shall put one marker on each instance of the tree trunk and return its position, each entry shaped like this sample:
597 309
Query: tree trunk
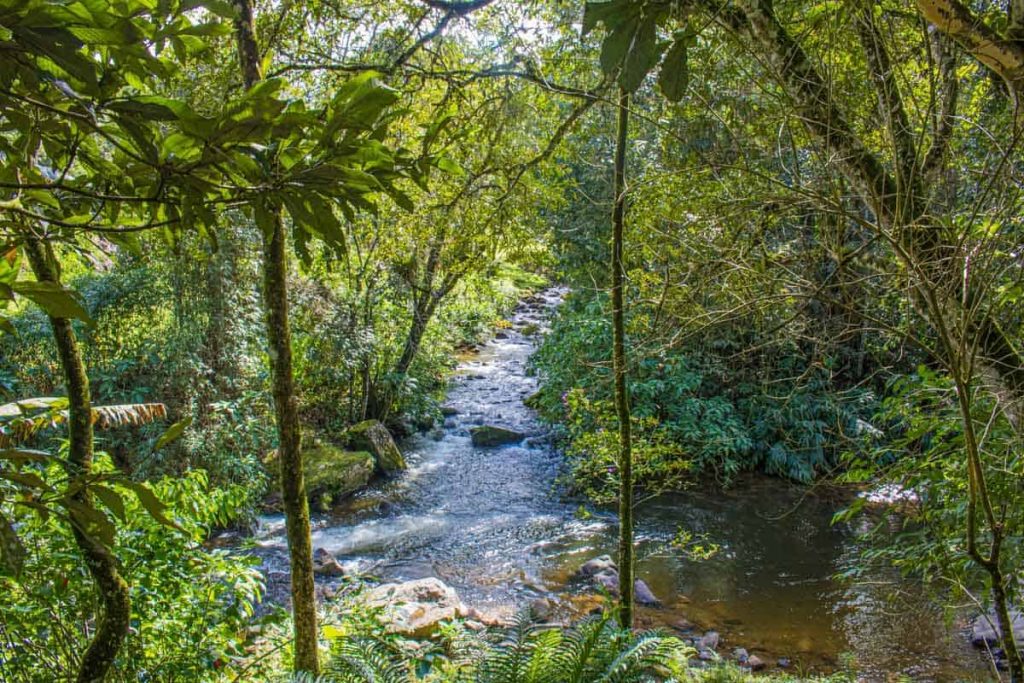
293 486
113 622
619 364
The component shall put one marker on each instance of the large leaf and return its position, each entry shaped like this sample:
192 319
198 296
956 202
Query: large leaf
642 56
173 433
56 300
153 505
674 77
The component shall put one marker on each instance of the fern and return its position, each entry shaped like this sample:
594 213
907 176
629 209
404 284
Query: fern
595 650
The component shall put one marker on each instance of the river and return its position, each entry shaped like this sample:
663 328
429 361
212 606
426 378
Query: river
491 523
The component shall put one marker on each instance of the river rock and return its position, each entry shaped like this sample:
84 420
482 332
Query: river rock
372 436
415 608
784 663
597 565
709 641
529 329
985 630
489 435
325 564
448 411
741 655
755 663
608 580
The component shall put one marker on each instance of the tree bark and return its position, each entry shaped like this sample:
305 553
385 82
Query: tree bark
113 622
1004 56
293 486
619 365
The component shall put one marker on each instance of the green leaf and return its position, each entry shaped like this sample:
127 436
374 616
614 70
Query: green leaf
449 165
610 12
112 499
153 505
56 300
91 521
12 552
617 44
28 480
173 433
642 56
20 455
674 77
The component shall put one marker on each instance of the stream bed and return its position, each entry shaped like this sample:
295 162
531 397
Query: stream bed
491 523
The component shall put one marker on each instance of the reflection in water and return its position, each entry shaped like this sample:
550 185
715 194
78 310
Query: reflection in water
489 522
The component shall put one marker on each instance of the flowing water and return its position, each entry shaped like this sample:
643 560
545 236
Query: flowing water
490 522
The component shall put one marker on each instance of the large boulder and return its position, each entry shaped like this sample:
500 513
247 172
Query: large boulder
372 436
489 435
330 473
416 608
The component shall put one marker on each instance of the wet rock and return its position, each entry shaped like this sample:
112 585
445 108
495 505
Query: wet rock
709 641
755 663
448 411
501 335
541 609
437 434
416 608
741 655
372 436
608 580
489 435
330 473
683 625
529 329
597 565
325 564
985 630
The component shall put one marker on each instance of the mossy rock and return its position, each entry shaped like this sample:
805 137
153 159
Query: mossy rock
330 473
488 436
529 329
372 436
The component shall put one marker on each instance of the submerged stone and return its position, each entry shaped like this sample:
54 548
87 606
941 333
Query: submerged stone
372 436
489 435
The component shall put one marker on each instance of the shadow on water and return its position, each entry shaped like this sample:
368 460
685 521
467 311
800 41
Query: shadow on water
489 522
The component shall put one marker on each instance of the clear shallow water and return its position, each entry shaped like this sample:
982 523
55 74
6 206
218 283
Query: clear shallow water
489 522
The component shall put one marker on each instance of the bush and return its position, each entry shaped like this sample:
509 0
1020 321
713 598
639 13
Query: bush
191 606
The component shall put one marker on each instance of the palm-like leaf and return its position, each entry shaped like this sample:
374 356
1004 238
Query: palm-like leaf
21 420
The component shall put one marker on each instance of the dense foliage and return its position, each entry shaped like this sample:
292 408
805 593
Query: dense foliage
229 226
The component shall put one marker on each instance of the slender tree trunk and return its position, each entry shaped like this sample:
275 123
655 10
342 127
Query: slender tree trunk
293 486
619 364
113 622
